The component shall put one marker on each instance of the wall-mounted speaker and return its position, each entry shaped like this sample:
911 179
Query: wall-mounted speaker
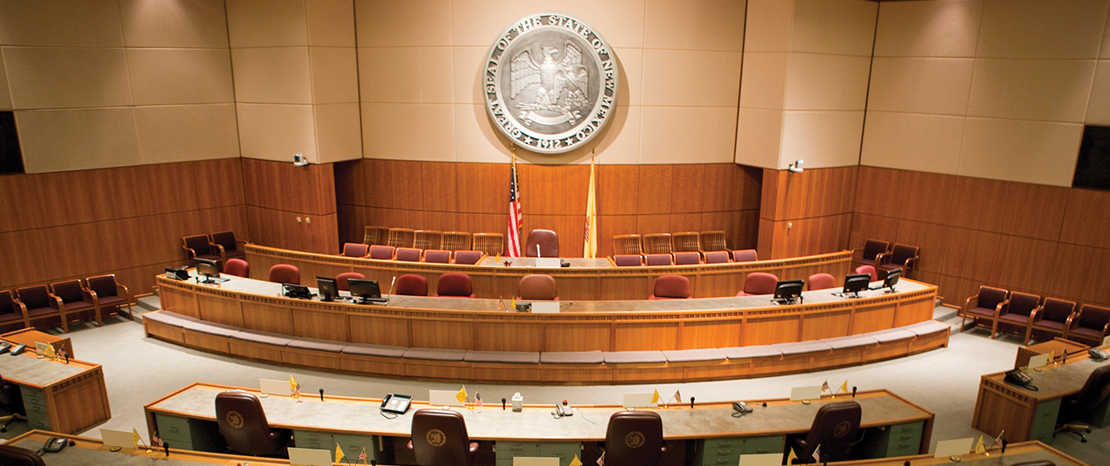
11 157
1092 169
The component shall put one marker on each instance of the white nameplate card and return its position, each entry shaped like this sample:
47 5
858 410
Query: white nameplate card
116 438
638 400
805 393
1039 360
274 387
40 348
547 262
443 398
764 459
545 307
954 447
533 461
309 457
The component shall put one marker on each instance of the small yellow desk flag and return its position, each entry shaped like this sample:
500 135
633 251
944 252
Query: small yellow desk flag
339 453
655 396
790 457
844 387
49 351
575 461
979 447
461 395
135 438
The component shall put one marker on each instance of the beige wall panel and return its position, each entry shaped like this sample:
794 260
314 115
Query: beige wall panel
334 75
77 139
688 135
1105 49
406 74
158 23
694 25
768 25
1042 28
331 23
267 23
278 75
920 85
1055 90
826 82
469 66
928 29
61 23
480 22
822 139
5 93
180 133
276 132
408 131
764 80
1027 151
630 64
1098 108
909 141
759 137
691 78
180 76
834 26
338 132
403 24
67 77
476 139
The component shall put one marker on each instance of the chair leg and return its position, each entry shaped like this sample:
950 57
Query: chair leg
963 323
994 328
1028 332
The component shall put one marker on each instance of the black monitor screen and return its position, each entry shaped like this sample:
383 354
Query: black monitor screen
328 289
788 289
208 267
366 289
856 282
892 278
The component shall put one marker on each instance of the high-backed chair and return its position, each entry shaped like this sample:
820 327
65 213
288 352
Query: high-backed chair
628 260
671 287
685 241
439 438
401 237
757 283
1095 391
657 243
198 246
411 285
1055 317
284 273
11 398
243 424
545 240
355 250
712 241
77 303
341 280
40 304
455 284
437 256
1019 313
537 286
110 296
380 252
658 259
376 235
985 305
407 255
12 312
902 257
627 244
237 267
1090 325
716 257
687 258
870 270
456 241
227 246
427 239
871 250
468 257
745 255
821 281
11 455
634 438
835 428
493 244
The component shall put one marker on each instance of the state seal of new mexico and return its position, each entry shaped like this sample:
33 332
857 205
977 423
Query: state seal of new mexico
550 83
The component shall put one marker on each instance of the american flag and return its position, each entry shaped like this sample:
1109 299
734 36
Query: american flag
362 456
817 453
515 217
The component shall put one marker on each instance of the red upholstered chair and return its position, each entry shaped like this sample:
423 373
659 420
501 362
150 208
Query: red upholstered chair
902 258
717 257
986 305
243 424
381 252
745 255
671 287
1055 317
871 250
821 281
687 258
1019 313
659 259
198 246
12 312
439 438
537 286
11 455
835 428
455 284
40 304
77 303
237 267
547 242
355 250
468 257
634 438
227 246
110 296
411 285
437 256
1090 325
868 269
757 283
341 280
285 273
628 260
408 255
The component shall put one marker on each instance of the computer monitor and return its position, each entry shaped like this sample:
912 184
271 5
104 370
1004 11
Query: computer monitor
789 291
328 289
891 280
293 290
366 290
855 283
209 268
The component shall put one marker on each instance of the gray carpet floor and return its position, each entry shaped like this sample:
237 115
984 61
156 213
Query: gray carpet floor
139 370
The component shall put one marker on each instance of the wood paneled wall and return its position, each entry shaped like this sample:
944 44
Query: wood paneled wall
127 221
973 231
806 213
473 197
291 207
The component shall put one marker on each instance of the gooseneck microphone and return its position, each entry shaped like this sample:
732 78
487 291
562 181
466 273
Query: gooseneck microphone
321 394
538 255
390 295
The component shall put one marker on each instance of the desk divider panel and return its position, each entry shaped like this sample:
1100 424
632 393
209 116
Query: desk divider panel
259 315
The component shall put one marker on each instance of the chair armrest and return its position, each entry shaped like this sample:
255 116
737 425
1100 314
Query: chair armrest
1105 328
410 445
882 258
189 252
239 244
1002 305
56 303
22 308
908 261
1035 315
92 296
121 290
473 447
968 303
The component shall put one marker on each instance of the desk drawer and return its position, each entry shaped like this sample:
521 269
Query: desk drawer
353 445
32 396
1044 420
896 440
720 451
38 421
508 450
174 430
318 440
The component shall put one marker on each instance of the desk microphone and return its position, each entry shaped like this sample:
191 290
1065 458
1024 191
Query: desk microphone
391 282
691 402
538 251
321 394
166 447
853 392
502 404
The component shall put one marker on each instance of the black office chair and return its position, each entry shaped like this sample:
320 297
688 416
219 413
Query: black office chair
634 438
15 456
835 428
11 401
243 424
1094 391
439 438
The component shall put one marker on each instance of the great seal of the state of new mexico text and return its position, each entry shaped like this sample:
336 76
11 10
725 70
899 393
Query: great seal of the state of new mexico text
550 83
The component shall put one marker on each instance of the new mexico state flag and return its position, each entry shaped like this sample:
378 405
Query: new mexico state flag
589 245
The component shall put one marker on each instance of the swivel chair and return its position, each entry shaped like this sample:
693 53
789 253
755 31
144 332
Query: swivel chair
11 400
237 267
671 287
439 438
455 284
1075 407
285 273
757 283
834 429
11 455
820 281
547 242
537 286
634 438
341 280
355 250
411 285
243 424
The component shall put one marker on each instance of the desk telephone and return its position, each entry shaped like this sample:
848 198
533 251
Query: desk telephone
740 408
1017 377
53 445
563 409
1098 354
397 404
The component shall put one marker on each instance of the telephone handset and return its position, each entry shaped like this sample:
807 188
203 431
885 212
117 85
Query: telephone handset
563 409
740 408
53 445
1098 354
1017 377
397 404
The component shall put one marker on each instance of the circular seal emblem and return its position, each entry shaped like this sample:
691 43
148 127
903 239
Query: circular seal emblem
634 439
842 429
435 437
550 83
234 419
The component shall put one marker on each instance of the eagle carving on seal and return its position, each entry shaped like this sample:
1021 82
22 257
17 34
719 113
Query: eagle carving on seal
552 77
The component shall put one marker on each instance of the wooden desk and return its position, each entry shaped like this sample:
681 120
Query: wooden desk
896 426
1056 346
29 336
585 279
1031 415
61 397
